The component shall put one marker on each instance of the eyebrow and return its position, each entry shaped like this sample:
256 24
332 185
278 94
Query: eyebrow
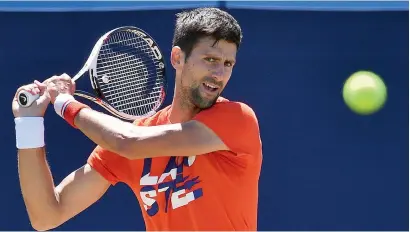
208 53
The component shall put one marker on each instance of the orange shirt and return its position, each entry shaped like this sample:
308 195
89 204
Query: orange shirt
214 191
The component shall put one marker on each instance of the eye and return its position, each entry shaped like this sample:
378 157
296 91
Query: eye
210 59
228 64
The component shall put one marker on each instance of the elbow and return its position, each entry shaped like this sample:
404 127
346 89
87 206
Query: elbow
43 225
45 222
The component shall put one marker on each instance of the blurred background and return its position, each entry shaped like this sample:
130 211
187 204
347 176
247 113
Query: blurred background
324 167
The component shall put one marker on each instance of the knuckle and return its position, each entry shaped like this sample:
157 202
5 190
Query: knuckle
49 80
27 87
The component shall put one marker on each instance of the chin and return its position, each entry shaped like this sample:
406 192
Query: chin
202 102
203 105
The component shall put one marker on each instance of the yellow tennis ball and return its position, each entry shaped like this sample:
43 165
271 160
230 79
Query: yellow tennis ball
364 92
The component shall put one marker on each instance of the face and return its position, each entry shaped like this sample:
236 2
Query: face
206 72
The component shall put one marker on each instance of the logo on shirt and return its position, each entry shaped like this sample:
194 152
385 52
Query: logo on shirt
176 187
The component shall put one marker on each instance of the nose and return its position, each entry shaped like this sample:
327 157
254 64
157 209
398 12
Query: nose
219 72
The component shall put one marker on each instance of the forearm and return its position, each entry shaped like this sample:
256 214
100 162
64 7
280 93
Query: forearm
104 130
137 142
37 187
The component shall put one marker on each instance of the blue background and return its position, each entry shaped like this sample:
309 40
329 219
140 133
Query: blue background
324 168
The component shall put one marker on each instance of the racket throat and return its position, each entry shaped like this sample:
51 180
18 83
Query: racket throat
94 83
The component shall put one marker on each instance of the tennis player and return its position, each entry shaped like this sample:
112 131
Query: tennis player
194 165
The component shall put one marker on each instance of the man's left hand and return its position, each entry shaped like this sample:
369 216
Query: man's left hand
62 84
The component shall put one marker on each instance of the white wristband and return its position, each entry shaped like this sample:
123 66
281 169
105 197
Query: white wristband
61 102
29 132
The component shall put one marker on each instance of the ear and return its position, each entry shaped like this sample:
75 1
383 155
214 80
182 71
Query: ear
177 57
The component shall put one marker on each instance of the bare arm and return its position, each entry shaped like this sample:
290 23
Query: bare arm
135 142
49 206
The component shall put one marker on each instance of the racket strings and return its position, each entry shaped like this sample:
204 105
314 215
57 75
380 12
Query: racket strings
125 81
120 103
115 96
128 69
132 83
140 104
124 67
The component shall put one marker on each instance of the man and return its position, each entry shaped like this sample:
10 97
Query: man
194 165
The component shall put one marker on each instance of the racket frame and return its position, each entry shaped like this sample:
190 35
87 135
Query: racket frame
91 66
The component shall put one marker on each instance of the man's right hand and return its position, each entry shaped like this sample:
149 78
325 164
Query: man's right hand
49 206
38 108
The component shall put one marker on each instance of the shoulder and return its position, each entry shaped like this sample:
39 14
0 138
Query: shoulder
223 102
235 110
235 123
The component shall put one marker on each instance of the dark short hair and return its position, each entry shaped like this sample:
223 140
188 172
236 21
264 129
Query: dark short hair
195 24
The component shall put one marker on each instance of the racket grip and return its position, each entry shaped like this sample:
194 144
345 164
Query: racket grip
25 98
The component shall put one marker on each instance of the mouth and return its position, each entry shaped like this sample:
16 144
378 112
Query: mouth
209 87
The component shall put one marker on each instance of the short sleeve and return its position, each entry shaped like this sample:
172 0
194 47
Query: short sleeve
111 166
235 124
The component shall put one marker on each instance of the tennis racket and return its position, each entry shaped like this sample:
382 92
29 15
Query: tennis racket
127 73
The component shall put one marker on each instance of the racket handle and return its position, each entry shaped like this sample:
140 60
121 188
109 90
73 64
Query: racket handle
25 98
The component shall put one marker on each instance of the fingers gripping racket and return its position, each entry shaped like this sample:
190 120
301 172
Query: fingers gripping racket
127 72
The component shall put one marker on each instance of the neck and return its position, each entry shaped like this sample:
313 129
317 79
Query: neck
181 110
